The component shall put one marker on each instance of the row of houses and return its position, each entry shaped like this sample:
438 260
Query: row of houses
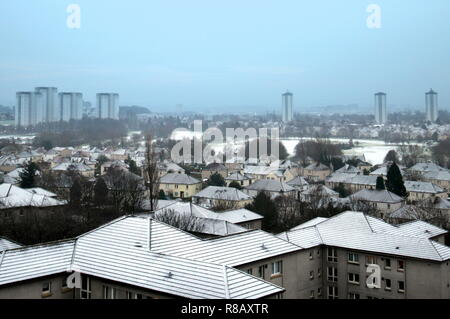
137 257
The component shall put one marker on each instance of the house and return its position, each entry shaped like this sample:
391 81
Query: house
381 200
316 172
421 168
216 196
80 168
239 178
169 167
273 187
351 182
318 193
440 178
412 260
408 213
298 183
197 220
179 185
16 202
256 172
419 191
349 169
214 168
134 257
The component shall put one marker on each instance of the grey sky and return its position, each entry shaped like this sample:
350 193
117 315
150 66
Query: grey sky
228 55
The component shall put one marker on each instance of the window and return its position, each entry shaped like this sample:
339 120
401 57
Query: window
64 283
352 295
319 272
387 263
109 292
106 292
277 268
318 252
311 294
250 271
130 295
85 290
353 258
332 292
47 288
401 286
332 254
261 271
332 274
139 296
400 265
353 278
388 284
319 292
311 255
311 275
371 260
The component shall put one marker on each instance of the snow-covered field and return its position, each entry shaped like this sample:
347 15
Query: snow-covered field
373 150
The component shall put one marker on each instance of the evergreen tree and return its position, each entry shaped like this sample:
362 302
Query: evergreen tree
216 180
28 175
132 167
264 205
395 182
162 195
100 192
380 183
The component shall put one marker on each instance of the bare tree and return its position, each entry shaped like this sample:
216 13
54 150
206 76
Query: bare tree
151 173
186 222
126 190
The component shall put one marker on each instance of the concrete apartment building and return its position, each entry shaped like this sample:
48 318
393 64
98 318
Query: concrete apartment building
131 257
138 257
414 263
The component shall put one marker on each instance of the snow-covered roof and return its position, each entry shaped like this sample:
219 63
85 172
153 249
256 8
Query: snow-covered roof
222 193
356 231
270 185
13 196
298 181
178 178
6 243
142 252
382 196
426 167
422 187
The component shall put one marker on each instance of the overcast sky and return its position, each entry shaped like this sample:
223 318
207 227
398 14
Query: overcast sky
233 55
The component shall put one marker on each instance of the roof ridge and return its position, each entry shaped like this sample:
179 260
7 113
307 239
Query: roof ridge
432 242
225 279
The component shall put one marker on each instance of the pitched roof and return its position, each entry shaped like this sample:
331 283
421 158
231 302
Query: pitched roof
135 251
270 185
178 178
422 187
6 243
222 193
355 230
382 196
14 196
426 167
317 167
297 181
